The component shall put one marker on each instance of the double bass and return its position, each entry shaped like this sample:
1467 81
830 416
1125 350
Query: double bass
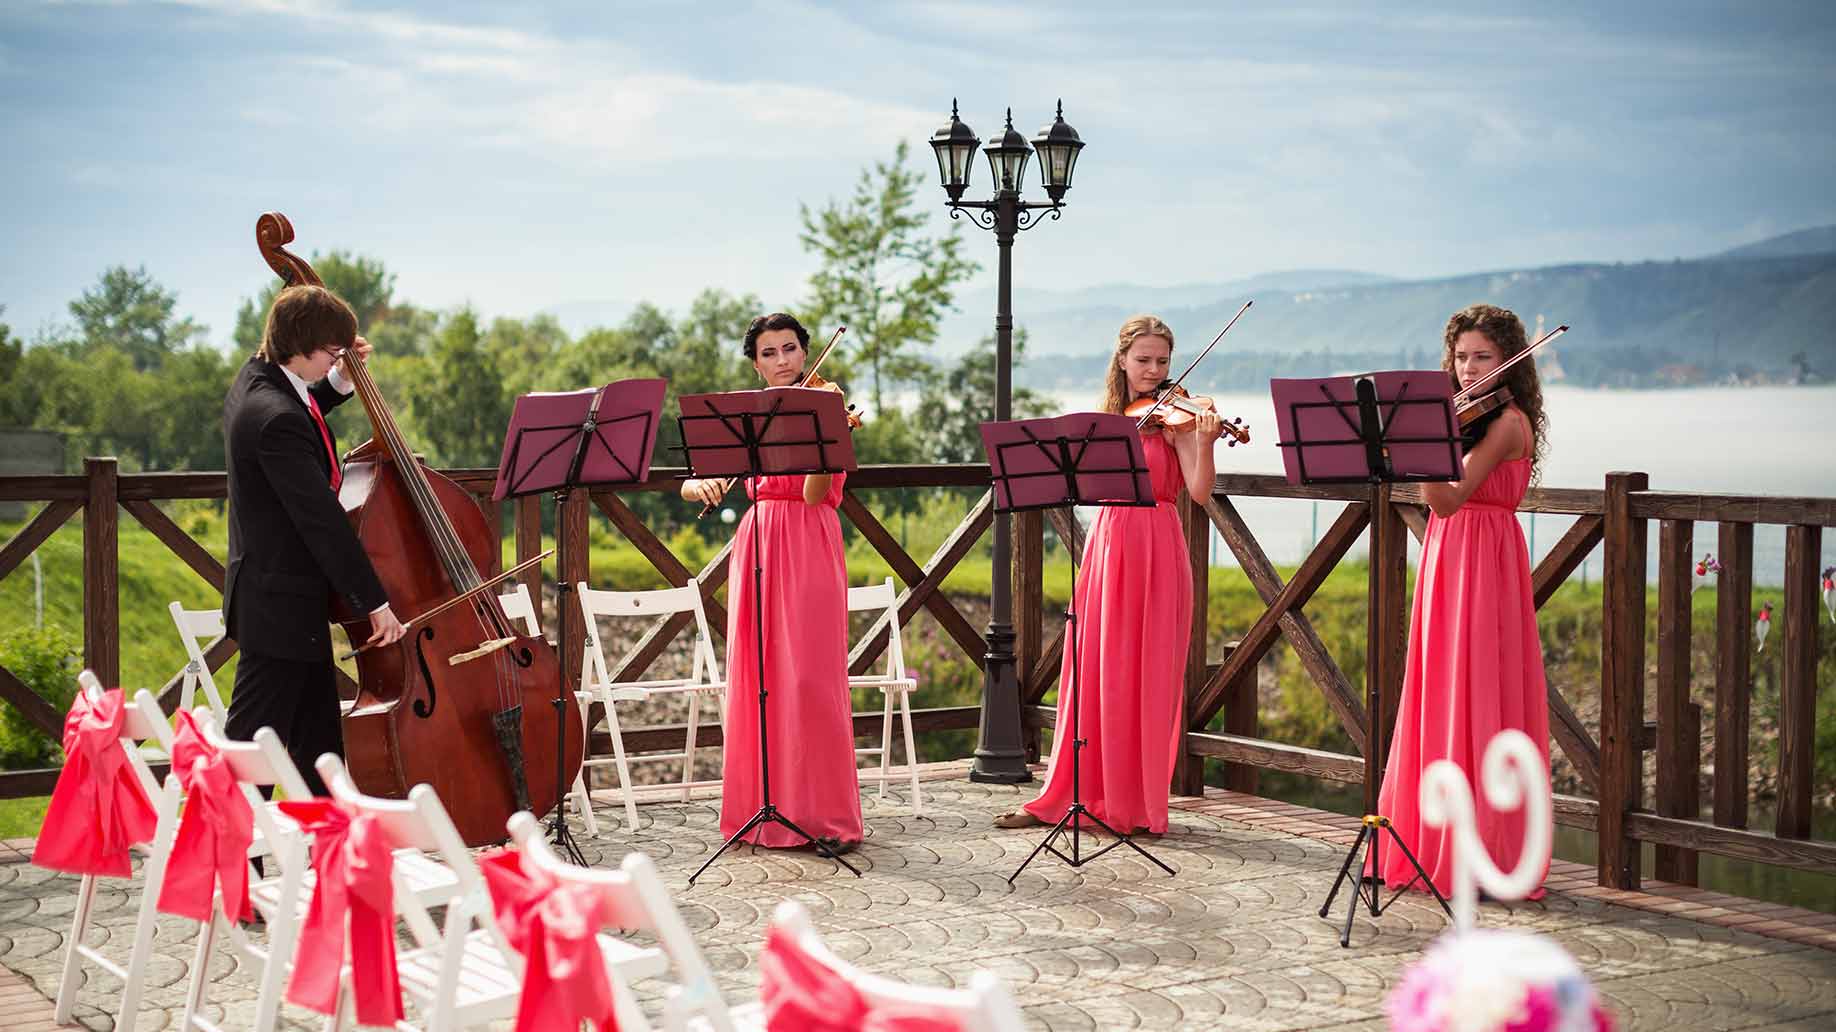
465 702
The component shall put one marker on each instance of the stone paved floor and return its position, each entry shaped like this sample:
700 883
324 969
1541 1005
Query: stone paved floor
1233 941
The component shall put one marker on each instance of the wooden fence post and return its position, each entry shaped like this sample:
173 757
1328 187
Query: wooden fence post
1733 672
1679 743
1189 767
1798 681
1622 680
1029 607
1386 639
528 525
101 566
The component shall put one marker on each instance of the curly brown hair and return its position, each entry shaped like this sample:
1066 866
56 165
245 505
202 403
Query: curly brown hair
1505 330
1115 386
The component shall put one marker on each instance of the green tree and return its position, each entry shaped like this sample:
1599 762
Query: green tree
186 417
460 405
881 275
16 402
525 350
129 311
364 283
964 398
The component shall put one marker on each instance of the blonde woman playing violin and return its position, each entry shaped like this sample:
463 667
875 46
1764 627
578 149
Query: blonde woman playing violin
1134 607
804 595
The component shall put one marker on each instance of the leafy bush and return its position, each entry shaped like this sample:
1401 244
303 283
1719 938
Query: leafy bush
45 659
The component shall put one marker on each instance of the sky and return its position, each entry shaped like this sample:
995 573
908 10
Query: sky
527 157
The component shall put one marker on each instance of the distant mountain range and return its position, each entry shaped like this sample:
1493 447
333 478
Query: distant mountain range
1765 311
1762 312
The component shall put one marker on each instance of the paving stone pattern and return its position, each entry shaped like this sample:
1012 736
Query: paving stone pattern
1232 942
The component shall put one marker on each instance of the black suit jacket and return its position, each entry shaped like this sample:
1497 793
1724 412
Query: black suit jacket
290 544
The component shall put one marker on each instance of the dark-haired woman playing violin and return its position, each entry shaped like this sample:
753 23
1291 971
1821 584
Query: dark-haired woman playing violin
805 601
1475 664
1133 600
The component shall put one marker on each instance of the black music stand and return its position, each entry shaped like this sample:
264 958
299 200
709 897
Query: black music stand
1086 458
778 430
1374 429
558 442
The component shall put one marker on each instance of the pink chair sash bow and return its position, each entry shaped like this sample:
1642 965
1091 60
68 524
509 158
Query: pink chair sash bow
801 994
556 929
212 849
353 861
99 809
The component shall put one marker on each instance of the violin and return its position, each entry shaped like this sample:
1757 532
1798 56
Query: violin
1472 409
1477 414
1173 409
818 383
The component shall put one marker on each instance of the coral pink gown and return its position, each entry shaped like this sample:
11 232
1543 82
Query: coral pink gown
1133 600
1475 668
809 713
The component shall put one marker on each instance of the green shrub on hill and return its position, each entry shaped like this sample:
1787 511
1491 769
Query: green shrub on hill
46 659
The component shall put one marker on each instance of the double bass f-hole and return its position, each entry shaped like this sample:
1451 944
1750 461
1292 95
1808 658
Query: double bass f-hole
424 707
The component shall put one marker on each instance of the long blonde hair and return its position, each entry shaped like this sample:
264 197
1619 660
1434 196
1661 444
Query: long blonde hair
1115 387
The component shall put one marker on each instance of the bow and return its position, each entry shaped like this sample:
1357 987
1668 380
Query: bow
99 809
212 848
556 929
353 861
802 994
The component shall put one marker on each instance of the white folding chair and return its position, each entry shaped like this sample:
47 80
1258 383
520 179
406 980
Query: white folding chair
283 896
703 680
280 897
195 625
640 902
467 975
891 681
986 1006
143 722
518 607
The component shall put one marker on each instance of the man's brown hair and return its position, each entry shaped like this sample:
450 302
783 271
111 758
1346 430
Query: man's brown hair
306 319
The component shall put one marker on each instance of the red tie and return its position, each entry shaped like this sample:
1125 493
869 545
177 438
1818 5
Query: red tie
337 474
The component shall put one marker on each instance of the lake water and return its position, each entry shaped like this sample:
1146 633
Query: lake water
1749 440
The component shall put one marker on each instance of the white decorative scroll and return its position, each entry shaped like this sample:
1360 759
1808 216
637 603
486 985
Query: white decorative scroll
1514 777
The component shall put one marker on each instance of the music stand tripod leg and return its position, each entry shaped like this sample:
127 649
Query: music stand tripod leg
1076 813
562 838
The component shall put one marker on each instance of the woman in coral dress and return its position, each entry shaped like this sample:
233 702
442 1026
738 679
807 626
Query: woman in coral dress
1133 600
804 597
1475 664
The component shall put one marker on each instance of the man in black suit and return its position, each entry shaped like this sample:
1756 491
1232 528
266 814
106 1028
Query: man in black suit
290 545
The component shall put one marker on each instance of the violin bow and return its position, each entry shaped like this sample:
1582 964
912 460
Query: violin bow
1166 389
1485 380
727 485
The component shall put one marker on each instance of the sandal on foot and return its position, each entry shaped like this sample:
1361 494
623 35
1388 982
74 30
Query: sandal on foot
1016 819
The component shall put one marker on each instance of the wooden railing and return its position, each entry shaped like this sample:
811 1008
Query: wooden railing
1220 718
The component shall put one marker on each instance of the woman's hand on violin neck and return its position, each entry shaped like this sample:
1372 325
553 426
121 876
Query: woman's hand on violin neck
1208 425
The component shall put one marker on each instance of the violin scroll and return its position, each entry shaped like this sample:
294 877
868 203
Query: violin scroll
817 382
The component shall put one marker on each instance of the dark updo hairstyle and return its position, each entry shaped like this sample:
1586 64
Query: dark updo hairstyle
774 321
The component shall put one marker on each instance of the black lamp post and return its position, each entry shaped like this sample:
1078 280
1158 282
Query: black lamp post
999 754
